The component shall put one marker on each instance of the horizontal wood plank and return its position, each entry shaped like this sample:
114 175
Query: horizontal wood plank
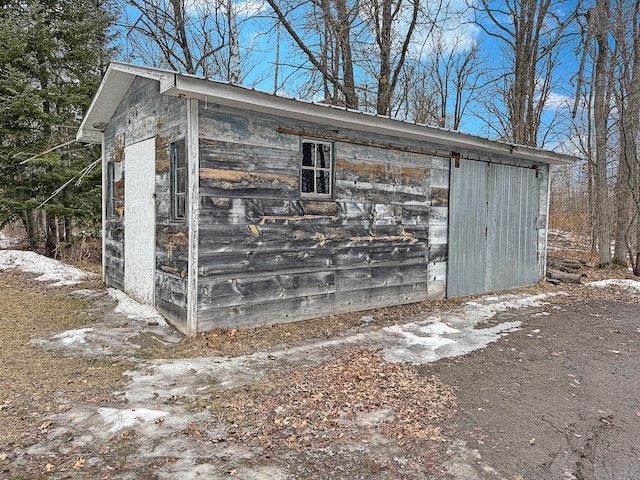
307 307
263 289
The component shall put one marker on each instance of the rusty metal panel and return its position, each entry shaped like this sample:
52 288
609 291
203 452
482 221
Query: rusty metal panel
512 241
467 258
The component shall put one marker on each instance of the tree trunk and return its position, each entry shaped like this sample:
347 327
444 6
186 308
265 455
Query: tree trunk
68 229
181 36
601 115
383 39
622 203
51 245
30 228
344 40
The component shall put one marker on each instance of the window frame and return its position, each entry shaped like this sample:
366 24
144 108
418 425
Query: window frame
178 185
110 173
329 170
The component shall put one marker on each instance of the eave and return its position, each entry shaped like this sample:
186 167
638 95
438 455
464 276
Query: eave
120 76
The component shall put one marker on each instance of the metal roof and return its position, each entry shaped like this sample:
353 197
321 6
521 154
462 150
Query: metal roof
119 77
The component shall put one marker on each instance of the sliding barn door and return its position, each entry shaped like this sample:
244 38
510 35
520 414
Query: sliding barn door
512 240
467 258
493 235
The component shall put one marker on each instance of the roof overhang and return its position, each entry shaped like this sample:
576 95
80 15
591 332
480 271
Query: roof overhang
120 76
112 89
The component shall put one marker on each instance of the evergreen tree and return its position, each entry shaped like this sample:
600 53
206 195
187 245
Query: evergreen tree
52 56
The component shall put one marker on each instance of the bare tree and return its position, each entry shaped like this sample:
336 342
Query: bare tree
530 33
601 110
625 32
383 15
328 45
456 73
195 37
417 99
357 48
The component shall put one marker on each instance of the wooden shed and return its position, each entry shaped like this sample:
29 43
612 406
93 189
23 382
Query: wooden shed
224 206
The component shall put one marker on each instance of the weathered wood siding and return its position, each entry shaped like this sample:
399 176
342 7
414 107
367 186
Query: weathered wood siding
144 113
266 254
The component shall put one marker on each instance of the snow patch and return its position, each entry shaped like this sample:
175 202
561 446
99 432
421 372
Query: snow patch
50 270
134 310
432 338
439 328
73 336
628 284
6 241
118 420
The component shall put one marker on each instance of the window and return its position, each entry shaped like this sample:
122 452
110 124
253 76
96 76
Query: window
114 189
316 174
110 194
178 180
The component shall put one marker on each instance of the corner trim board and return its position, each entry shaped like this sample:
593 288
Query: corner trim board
193 211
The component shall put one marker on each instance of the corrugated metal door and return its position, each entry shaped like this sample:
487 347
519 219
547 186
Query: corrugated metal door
493 238
512 241
467 257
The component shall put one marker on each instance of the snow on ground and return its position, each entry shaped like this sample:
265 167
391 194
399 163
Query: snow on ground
111 333
626 284
160 421
7 241
107 336
50 270
132 309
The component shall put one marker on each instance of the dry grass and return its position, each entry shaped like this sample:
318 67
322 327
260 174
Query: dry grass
34 383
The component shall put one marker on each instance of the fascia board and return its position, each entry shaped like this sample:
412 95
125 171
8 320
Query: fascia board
112 89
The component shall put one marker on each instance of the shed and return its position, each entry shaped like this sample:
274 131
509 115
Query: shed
224 206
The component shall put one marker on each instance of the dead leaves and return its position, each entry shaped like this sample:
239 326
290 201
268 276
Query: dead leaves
45 426
355 392
123 436
194 429
63 463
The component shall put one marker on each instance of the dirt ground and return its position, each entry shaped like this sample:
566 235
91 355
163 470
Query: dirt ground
558 397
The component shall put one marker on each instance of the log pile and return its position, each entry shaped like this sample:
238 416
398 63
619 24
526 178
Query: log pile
564 270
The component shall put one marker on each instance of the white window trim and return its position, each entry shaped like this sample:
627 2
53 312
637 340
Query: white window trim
331 170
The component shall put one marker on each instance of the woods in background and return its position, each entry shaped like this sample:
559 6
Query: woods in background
52 56
553 74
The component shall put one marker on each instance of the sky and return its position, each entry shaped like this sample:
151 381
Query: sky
258 50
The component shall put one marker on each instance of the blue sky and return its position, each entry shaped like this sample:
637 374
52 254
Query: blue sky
257 44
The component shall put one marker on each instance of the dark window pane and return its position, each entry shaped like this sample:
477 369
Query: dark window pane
324 155
110 190
307 181
322 182
180 154
178 180
307 154
317 168
180 207
181 181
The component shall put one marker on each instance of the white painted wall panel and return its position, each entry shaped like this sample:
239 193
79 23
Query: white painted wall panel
139 221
